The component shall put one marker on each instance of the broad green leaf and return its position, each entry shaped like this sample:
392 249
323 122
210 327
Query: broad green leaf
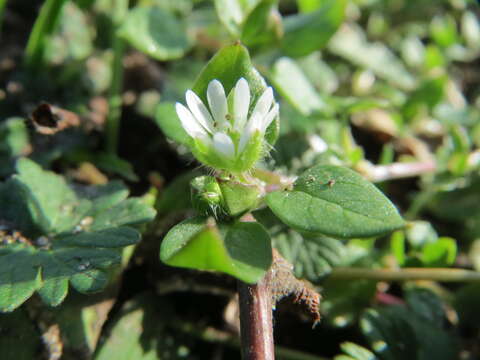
400 332
227 66
156 32
139 332
350 43
242 250
82 244
129 212
312 257
19 276
89 281
335 201
107 238
105 196
300 93
53 206
166 118
305 33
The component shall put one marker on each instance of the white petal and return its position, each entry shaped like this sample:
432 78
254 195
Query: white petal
218 103
224 144
267 120
241 103
253 124
199 110
189 123
264 103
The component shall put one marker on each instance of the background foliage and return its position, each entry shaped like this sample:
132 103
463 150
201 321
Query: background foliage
386 88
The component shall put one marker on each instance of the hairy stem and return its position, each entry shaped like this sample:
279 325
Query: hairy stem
406 274
256 330
115 93
43 27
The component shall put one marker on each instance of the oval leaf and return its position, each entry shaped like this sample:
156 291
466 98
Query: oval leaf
242 250
305 33
155 32
335 201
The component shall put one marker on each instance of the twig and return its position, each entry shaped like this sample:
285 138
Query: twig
406 274
397 170
256 330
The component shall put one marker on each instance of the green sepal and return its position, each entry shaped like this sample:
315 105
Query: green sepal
238 198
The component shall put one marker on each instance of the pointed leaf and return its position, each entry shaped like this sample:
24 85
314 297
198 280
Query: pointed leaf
242 250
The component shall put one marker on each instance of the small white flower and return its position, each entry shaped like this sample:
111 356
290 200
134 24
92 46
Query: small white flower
226 133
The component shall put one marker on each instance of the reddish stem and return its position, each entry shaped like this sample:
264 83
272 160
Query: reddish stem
256 328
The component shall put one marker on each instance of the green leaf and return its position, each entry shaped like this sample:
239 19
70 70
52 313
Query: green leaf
344 300
232 13
262 25
300 93
19 276
242 250
53 206
350 43
440 253
313 257
139 331
238 197
400 332
73 38
129 212
82 243
227 66
107 238
13 143
355 352
166 118
335 201
305 33
156 32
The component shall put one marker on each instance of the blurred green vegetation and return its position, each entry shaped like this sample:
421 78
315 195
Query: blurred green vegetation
389 88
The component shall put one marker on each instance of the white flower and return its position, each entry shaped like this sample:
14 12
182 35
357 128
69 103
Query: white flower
226 133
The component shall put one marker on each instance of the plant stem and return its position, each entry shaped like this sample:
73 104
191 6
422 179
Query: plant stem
256 330
406 274
3 4
400 170
44 26
115 93
216 336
